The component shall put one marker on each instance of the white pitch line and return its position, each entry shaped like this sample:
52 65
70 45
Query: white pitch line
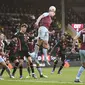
44 81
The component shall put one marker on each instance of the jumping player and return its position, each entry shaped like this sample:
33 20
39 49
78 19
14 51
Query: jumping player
44 21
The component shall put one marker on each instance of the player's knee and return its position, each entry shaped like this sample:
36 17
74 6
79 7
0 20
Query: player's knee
37 66
37 47
6 67
31 64
16 64
21 67
29 60
56 61
46 46
63 64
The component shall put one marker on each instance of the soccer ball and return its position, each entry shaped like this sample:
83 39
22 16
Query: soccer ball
52 8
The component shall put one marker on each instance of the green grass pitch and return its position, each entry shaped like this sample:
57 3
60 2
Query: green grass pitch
66 78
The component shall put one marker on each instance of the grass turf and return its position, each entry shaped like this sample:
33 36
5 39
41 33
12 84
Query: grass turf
66 78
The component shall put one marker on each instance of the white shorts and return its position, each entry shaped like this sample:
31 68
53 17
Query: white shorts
43 33
1 59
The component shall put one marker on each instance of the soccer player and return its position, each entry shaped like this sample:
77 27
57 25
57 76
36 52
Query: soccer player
44 21
2 53
23 50
37 66
61 51
81 35
13 57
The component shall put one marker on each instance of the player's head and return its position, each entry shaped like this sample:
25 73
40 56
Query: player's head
52 10
24 28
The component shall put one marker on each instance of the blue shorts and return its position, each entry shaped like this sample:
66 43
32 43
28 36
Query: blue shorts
1 59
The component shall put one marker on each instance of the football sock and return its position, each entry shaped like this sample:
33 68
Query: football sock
2 71
80 72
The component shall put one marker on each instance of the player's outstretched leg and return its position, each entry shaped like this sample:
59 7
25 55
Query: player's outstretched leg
40 72
45 56
32 67
79 74
54 66
61 67
15 69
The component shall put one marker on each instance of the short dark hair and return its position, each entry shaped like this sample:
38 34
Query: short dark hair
24 25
